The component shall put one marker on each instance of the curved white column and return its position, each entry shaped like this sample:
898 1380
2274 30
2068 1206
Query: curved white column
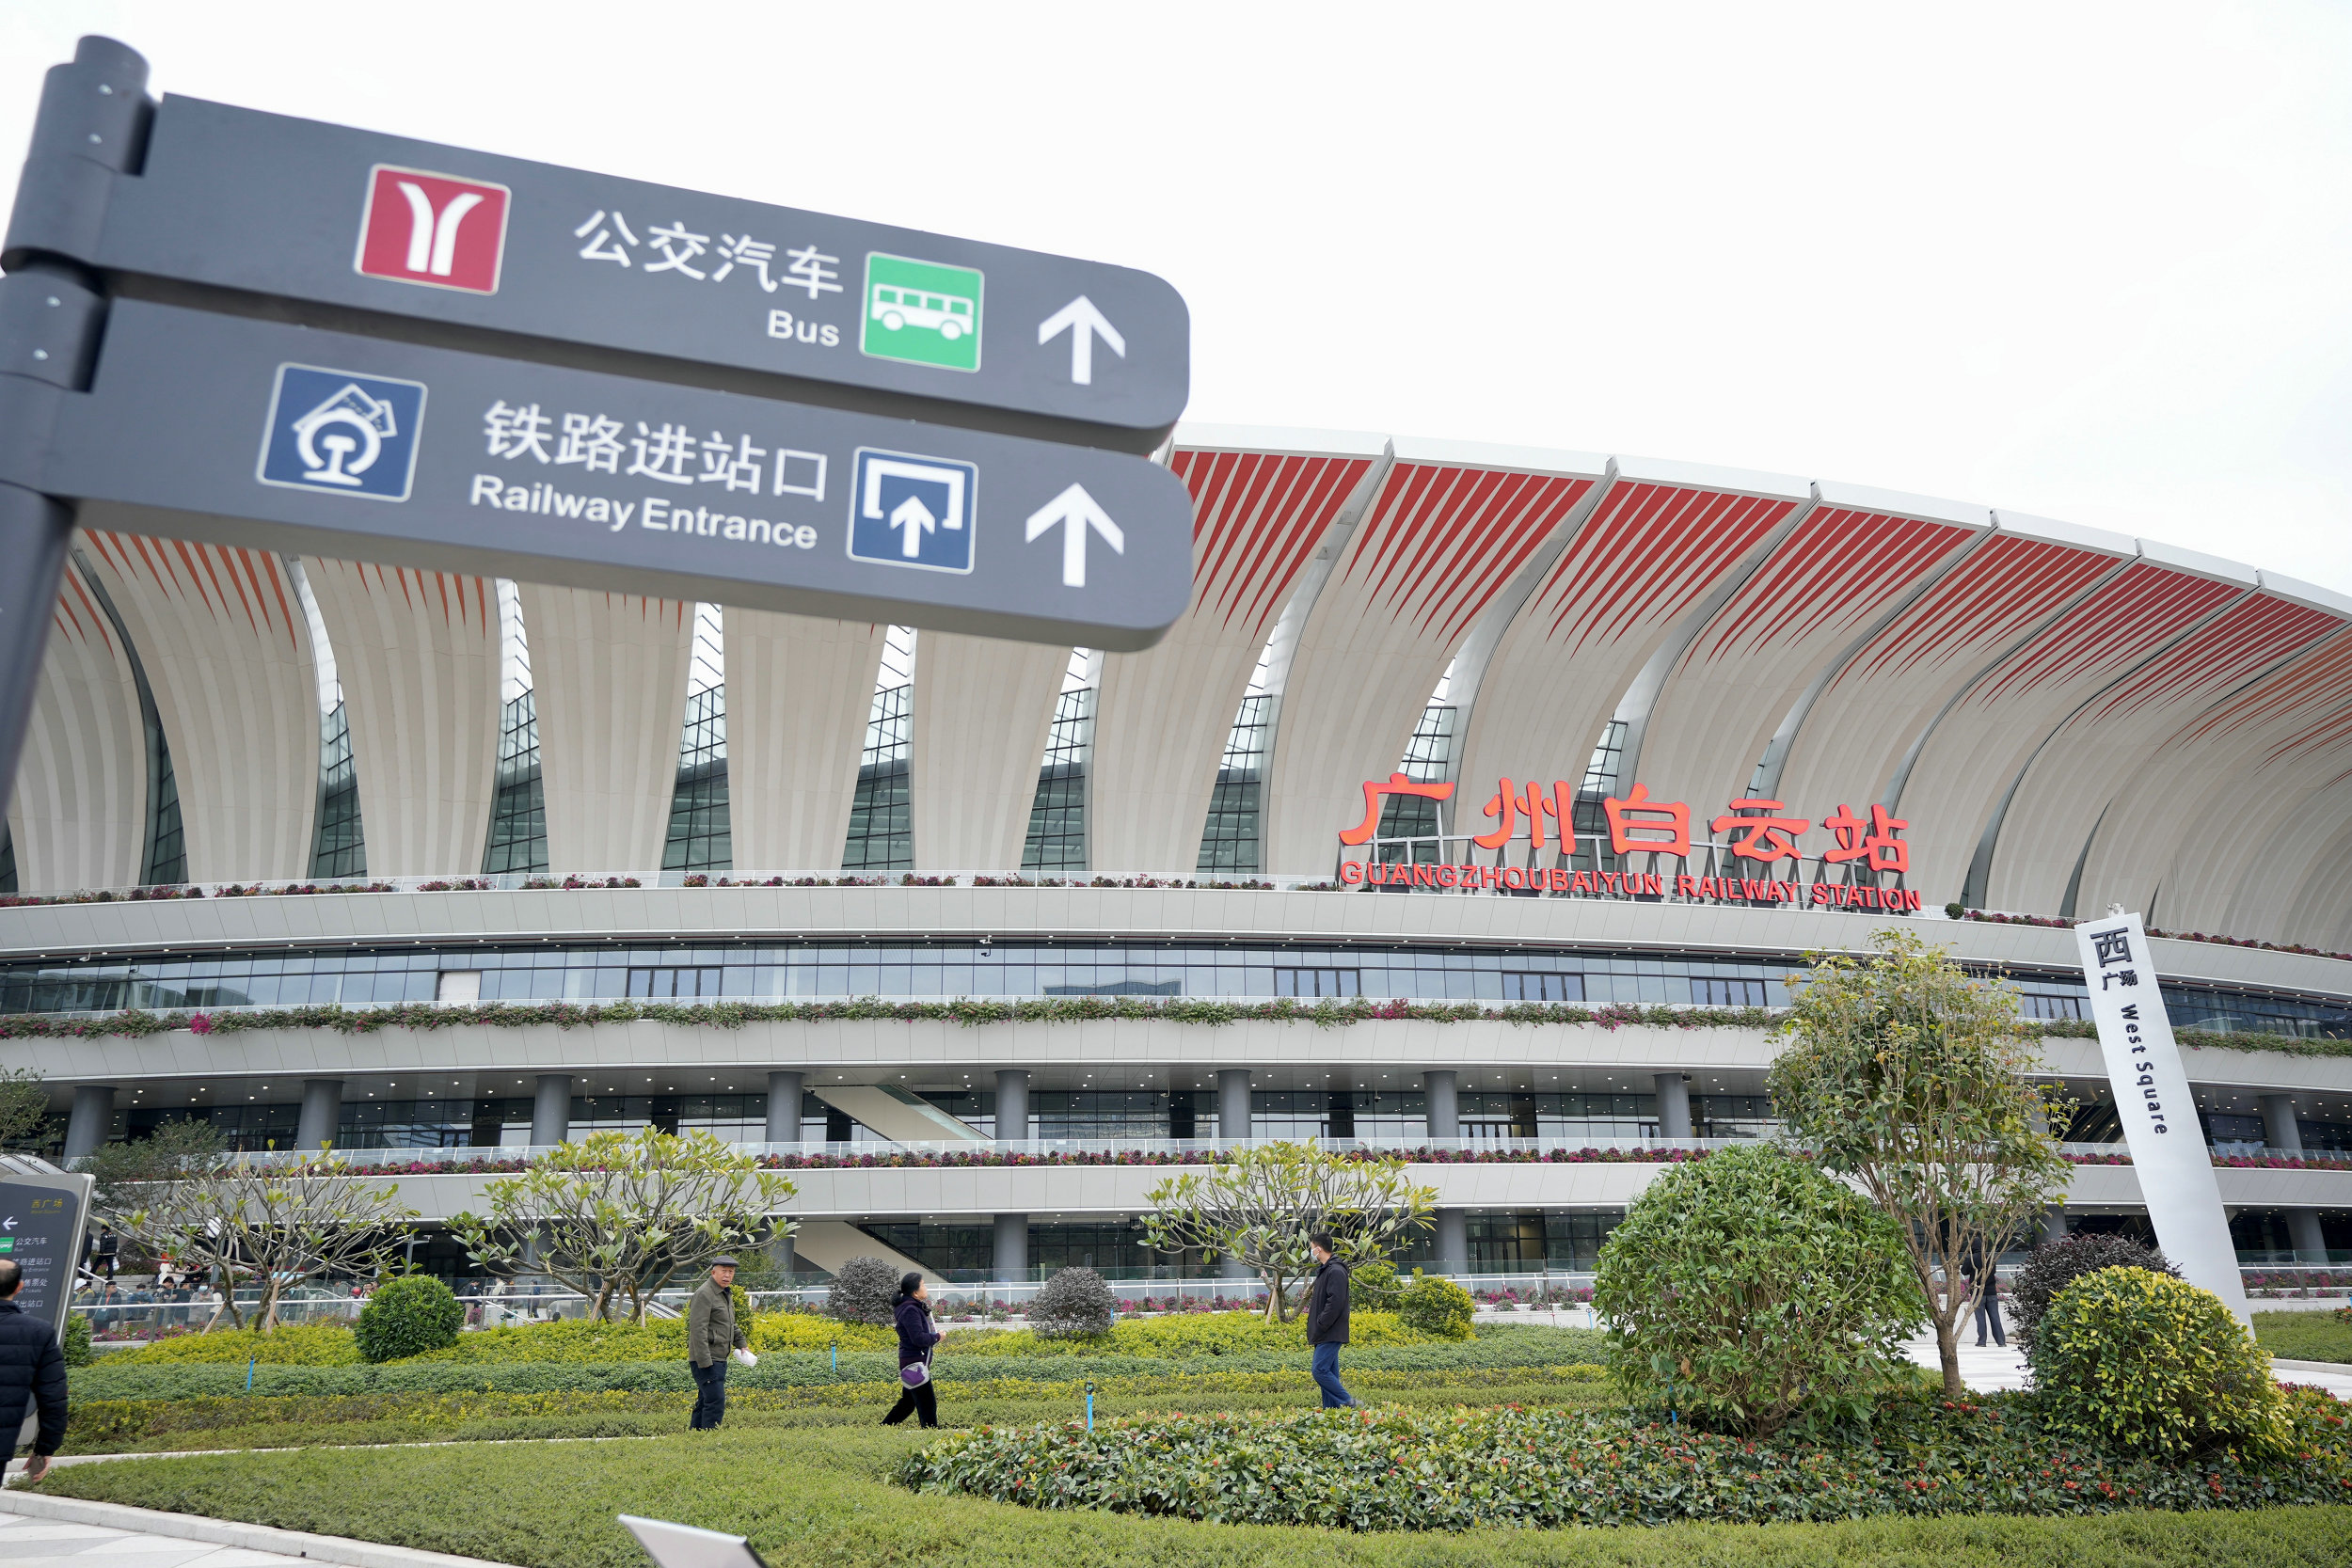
609 679
799 693
1161 717
1450 529
418 656
982 711
221 636
1662 538
78 815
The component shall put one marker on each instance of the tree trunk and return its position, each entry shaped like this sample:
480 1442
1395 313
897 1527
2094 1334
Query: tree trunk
1948 1349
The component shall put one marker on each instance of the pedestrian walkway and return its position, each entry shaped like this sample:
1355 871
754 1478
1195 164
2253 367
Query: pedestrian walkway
28 1540
1995 1367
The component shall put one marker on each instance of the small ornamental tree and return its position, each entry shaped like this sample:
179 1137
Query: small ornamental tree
270 1222
2054 1265
1074 1304
1747 1290
862 1292
408 1315
1434 1305
617 1215
1910 1078
1259 1205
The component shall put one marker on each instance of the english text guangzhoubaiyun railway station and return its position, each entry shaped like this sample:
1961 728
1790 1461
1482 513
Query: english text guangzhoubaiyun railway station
1443 724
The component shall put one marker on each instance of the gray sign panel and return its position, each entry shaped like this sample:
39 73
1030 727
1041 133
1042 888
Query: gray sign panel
847 313
205 426
41 1221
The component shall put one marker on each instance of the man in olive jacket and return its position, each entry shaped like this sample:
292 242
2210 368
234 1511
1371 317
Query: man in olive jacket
711 1335
1327 1321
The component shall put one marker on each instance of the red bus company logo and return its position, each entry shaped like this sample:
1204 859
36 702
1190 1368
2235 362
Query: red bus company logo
433 229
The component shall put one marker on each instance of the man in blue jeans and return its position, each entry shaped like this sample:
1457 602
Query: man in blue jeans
1326 1321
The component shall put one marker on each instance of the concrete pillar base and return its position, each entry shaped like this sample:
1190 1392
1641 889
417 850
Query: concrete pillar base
1013 1246
552 1110
784 1107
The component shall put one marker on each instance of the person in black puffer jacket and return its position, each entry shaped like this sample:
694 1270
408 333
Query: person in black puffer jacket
916 1336
32 1373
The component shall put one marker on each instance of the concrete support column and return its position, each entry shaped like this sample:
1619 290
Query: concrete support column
2282 1130
1232 1102
784 1108
2054 1223
552 1110
1013 1246
92 1119
1012 1112
1673 1106
1453 1241
321 1113
1440 1091
2303 1230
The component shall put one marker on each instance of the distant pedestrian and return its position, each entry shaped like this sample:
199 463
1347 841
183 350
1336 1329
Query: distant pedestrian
911 1308
1327 1321
712 1336
32 1374
1987 1281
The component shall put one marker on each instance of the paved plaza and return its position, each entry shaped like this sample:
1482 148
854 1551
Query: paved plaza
24 1539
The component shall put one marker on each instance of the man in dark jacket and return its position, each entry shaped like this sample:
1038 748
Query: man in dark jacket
1327 1321
712 1336
32 1373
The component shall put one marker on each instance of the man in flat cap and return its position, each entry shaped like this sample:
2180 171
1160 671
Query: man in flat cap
712 1336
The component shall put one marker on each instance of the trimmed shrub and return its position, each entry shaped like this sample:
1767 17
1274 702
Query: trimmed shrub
862 1292
1748 1291
408 1316
2054 1265
1183 1335
1546 1467
2146 1361
1373 1286
1074 1304
76 1342
1434 1306
294 1345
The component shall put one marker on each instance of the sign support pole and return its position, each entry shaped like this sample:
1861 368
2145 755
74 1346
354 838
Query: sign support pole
93 120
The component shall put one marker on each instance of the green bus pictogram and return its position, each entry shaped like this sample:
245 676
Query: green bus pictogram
921 312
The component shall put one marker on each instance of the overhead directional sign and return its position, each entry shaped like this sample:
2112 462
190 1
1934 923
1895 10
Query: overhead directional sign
207 426
827 309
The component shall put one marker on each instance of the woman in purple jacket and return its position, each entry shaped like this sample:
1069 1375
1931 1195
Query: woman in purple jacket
915 1338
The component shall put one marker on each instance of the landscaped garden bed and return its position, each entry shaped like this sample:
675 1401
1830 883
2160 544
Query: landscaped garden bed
1392 1469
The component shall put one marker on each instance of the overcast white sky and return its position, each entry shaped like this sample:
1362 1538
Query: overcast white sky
2088 261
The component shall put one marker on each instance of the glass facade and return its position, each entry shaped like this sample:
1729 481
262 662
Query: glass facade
341 848
518 814
1057 843
770 970
700 835
881 820
1229 839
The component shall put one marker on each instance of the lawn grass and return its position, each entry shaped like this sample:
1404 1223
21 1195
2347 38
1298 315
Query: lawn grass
2304 1337
823 1496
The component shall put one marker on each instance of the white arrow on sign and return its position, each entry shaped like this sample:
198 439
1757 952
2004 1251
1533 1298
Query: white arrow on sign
1083 322
1076 511
914 516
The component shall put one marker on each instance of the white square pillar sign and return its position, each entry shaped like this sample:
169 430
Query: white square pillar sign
2159 1115
338 434
910 511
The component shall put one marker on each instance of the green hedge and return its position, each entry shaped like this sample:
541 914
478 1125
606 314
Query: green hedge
831 1503
1494 1349
1391 1469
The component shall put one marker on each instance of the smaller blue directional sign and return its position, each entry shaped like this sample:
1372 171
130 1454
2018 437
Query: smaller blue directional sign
337 434
911 511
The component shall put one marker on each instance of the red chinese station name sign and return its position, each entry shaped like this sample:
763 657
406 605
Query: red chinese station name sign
1760 833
